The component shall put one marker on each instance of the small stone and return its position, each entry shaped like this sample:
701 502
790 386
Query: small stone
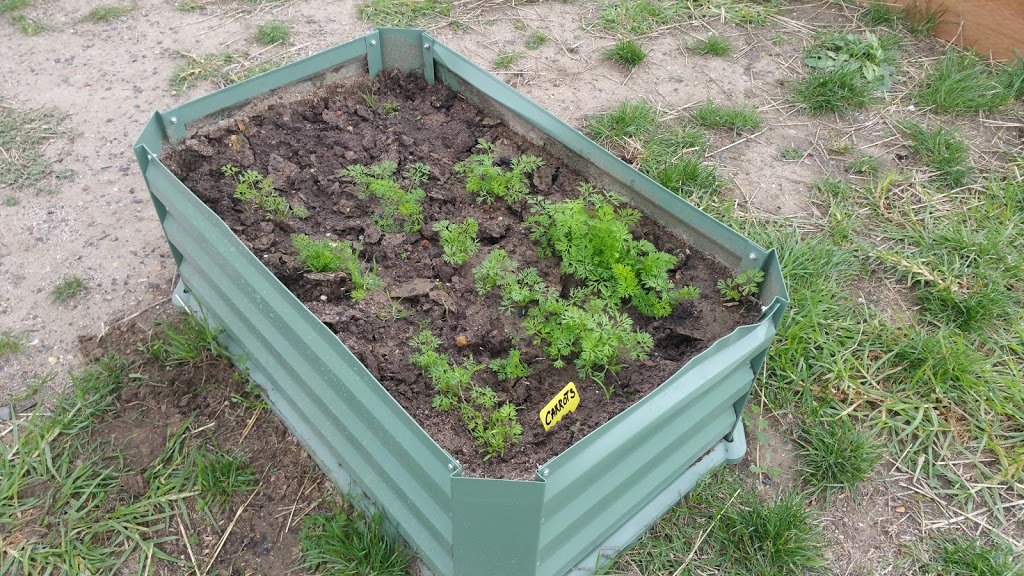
488 122
414 287
901 509
323 297
461 341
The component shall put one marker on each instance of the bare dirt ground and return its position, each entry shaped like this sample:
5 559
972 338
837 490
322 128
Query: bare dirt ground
110 77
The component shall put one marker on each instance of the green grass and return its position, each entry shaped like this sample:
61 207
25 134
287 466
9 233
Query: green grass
28 26
68 288
344 542
832 92
724 527
192 341
12 201
220 68
628 53
961 83
836 454
635 17
915 19
506 60
13 5
535 40
674 159
866 165
631 119
736 118
792 153
404 13
191 5
23 135
713 45
109 12
222 475
273 33
10 343
944 152
957 555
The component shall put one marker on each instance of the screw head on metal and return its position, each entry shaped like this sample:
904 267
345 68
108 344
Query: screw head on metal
426 46
546 472
451 467
174 119
373 42
752 256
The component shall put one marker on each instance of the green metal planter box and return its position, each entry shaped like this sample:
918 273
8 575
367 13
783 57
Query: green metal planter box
584 505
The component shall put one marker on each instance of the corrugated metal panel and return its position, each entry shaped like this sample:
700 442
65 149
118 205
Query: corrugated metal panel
325 395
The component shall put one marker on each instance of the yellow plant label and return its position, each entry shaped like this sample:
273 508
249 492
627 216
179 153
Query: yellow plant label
566 401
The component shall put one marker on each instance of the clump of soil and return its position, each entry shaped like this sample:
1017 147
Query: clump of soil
304 144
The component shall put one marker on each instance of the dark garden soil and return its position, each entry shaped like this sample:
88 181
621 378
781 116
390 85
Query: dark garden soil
303 144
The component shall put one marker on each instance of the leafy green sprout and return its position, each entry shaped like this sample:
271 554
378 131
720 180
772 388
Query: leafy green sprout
271 33
391 109
10 344
866 55
792 153
741 287
418 173
391 310
458 240
713 45
737 118
493 427
489 181
329 256
68 288
220 475
836 454
510 368
254 190
628 53
402 208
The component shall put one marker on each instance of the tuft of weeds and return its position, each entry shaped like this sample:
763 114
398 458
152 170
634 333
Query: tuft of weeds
23 135
635 17
28 26
535 40
713 45
727 529
957 555
404 13
946 154
190 5
737 118
271 33
68 288
221 68
1012 78
962 83
401 208
490 181
222 475
343 542
836 454
628 53
10 343
13 5
674 159
914 18
835 91
866 165
191 342
327 256
109 12
506 60
631 119
12 201
459 240
792 153
867 54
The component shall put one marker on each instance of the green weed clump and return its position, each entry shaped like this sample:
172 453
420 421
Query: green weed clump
10 343
945 153
13 5
510 368
737 118
490 182
506 60
914 18
346 542
404 13
494 428
255 190
866 55
327 256
109 12
458 240
535 40
28 26
23 136
836 454
962 83
628 53
741 287
221 475
833 91
191 342
713 45
591 234
957 555
402 208
271 33
631 119
68 288
635 17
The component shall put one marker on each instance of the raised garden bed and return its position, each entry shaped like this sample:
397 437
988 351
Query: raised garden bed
587 486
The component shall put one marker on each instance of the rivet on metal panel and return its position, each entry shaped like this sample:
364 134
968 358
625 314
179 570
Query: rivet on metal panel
451 467
174 119
546 472
152 157
426 46
373 42
752 256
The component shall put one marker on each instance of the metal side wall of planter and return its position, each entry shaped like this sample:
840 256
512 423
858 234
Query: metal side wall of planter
584 505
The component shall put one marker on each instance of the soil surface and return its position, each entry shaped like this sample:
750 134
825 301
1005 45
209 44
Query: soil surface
304 144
